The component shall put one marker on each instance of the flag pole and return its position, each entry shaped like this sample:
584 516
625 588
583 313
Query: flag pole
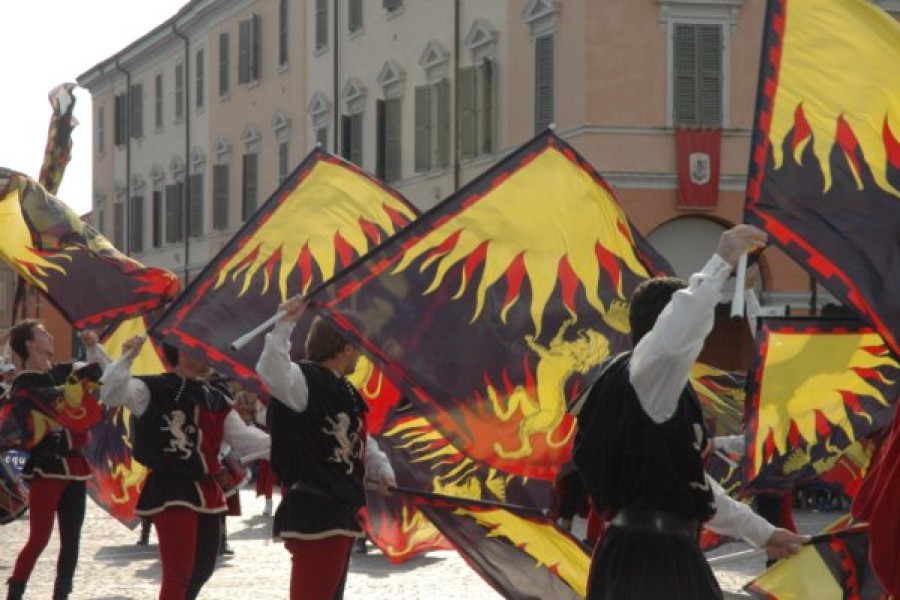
251 335
740 278
836 535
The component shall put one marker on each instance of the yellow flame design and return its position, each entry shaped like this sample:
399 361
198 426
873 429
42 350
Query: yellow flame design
840 59
804 373
329 201
16 246
549 210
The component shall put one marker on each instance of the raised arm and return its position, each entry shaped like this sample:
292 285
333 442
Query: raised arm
249 442
119 387
283 377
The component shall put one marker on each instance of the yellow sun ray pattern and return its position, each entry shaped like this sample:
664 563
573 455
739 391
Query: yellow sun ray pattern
553 230
329 202
829 85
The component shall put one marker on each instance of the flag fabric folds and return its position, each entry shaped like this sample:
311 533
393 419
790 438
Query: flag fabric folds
77 269
492 310
323 217
818 389
835 565
824 177
58 151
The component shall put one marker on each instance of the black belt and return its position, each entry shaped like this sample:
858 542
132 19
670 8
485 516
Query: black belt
656 521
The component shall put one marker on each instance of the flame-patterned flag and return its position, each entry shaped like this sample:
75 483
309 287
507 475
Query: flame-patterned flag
824 177
522 554
324 216
58 151
118 478
494 309
834 565
78 270
817 387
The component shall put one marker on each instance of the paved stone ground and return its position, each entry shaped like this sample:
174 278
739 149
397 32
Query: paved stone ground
112 567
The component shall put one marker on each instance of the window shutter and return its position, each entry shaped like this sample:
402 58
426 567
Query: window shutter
709 67
157 218
283 165
356 151
223 63
173 213
442 89
179 91
255 48
544 109
283 33
136 229
392 164
158 103
322 138
321 24
248 204
220 197
684 87
121 123
137 111
198 78
423 128
380 138
355 20
467 114
119 217
101 129
486 116
196 208
391 5
243 52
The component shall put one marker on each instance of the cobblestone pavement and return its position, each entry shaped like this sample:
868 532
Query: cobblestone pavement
112 567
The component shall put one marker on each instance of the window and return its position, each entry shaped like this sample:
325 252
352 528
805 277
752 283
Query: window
249 186
697 75
173 213
283 32
321 24
179 92
432 126
119 224
121 120
157 217
355 16
101 130
248 50
544 89
351 139
137 111
136 224
220 197
158 103
198 78
476 109
223 64
101 221
392 5
283 164
388 139
322 138
195 214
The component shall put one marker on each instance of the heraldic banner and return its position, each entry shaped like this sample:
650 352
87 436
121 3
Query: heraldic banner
698 167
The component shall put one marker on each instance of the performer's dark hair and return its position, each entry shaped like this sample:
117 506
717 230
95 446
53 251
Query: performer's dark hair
170 353
323 341
22 332
648 301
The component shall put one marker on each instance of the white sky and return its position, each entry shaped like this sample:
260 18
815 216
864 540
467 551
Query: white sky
48 42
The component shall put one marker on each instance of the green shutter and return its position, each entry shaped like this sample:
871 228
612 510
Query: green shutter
321 24
136 230
243 52
423 128
355 15
544 96
392 165
467 114
223 63
220 196
486 107
196 207
356 151
442 130
137 111
709 66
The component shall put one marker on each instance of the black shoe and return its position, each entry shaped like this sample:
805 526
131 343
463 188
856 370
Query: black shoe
360 546
226 550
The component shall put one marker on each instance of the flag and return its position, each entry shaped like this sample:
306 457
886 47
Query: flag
58 151
721 395
835 565
522 554
323 217
495 307
699 157
78 270
117 477
824 177
817 387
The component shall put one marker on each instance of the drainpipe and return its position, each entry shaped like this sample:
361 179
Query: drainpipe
186 205
456 19
126 212
334 78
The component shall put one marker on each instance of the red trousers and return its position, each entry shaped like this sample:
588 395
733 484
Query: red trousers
188 547
318 567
